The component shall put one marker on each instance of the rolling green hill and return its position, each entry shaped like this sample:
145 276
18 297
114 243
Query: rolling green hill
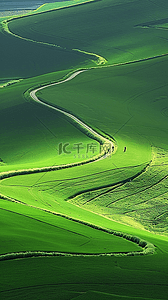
23 59
76 221
106 28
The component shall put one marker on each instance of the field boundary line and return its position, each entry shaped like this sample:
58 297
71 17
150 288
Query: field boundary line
5 28
147 247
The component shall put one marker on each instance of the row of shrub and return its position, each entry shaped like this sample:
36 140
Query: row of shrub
4 25
147 248
5 28
13 173
3 197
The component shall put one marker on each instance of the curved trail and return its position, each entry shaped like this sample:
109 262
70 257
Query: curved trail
88 128
106 151
100 138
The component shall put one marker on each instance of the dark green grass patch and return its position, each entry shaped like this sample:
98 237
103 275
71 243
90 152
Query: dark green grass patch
135 278
106 28
23 59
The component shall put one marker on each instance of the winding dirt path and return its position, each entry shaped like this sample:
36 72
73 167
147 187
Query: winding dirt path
107 150
88 128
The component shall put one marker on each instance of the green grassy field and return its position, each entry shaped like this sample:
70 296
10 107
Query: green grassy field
26 59
45 232
106 28
96 230
36 131
106 275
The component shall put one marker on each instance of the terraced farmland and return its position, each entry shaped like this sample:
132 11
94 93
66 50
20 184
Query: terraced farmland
84 151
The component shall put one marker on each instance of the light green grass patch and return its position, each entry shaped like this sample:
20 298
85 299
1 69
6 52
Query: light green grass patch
58 5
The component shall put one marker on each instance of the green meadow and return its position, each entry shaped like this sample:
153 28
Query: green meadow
25 58
78 221
106 28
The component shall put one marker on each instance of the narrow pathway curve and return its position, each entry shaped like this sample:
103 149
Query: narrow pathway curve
88 128
106 150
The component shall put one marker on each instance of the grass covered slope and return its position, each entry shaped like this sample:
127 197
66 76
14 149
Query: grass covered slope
133 278
144 276
126 194
32 135
46 232
27 59
106 28
141 203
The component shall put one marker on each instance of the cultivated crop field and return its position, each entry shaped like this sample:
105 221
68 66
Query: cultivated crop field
84 151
